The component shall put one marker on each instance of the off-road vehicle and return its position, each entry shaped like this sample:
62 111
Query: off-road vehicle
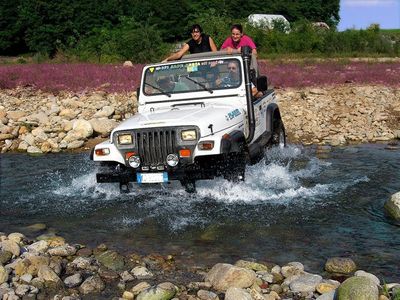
196 120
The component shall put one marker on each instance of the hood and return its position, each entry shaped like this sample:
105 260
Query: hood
220 117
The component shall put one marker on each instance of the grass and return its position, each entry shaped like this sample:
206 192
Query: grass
115 78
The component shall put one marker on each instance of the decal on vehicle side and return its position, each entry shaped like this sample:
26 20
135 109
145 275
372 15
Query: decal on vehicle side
233 114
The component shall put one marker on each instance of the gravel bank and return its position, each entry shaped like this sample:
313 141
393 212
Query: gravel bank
42 122
47 267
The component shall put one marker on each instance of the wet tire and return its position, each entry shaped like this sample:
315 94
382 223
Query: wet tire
278 138
189 185
236 167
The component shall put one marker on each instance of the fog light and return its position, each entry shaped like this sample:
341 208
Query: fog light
134 161
102 151
172 160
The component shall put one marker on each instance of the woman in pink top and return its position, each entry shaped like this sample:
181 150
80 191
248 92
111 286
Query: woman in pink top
238 40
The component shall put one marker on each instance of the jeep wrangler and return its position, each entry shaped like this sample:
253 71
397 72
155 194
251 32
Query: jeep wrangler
197 119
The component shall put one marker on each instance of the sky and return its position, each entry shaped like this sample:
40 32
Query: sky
359 14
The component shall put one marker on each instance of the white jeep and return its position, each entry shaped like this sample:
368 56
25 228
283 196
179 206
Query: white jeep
197 119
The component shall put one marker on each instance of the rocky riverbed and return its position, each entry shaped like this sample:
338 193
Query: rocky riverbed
42 122
47 267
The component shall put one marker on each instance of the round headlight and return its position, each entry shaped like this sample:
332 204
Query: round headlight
134 161
172 160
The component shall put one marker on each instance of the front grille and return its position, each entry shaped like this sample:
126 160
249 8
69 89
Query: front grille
155 144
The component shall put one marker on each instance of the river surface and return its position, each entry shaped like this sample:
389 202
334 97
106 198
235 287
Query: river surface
296 205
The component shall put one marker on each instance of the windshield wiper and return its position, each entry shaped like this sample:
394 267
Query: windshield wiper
158 89
199 84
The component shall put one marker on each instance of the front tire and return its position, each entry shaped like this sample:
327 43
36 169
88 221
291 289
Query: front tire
189 185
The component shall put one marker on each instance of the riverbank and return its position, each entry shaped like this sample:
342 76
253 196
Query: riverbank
42 122
47 266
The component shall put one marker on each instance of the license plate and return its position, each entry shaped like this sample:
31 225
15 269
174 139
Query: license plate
152 177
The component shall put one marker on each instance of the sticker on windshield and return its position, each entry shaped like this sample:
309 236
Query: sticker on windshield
233 114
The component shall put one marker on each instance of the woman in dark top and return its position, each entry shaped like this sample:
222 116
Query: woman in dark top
199 42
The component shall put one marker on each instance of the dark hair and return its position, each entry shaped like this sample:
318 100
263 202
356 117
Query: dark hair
196 26
238 27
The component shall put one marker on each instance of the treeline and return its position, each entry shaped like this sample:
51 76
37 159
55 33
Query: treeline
143 31
47 26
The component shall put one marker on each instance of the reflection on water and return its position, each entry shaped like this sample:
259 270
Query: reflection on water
292 206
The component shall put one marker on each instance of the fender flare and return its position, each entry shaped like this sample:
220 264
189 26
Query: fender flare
272 114
233 142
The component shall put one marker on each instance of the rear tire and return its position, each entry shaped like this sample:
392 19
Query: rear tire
278 138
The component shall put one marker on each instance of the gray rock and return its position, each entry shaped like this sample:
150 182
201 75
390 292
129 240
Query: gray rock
106 111
10 246
141 273
75 144
293 268
16 114
126 276
34 150
82 263
368 275
111 259
3 275
234 293
5 257
103 126
93 284
73 280
340 265
64 250
327 296
163 291
83 128
207 295
22 289
26 278
392 206
305 283
49 277
251 265
38 247
224 276
358 288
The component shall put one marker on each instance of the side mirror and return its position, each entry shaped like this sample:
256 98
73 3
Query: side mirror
262 83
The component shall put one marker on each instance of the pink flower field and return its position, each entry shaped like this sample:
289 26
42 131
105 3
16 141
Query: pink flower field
115 78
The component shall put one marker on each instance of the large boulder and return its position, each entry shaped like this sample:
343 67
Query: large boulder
358 288
224 276
392 206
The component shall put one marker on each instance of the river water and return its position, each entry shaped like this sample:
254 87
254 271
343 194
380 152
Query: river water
296 205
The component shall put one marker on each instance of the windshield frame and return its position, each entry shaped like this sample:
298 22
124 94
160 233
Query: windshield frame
191 76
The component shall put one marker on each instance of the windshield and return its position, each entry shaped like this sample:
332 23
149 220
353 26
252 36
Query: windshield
183 77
